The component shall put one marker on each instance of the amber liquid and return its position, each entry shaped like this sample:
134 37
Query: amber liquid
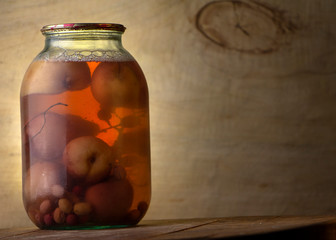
85 144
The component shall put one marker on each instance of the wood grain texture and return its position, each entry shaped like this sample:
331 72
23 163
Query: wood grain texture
242 97
145 230
316 228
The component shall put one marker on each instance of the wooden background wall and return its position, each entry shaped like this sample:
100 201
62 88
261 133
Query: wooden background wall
243 100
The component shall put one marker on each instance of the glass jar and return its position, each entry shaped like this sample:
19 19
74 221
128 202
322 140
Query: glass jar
85 131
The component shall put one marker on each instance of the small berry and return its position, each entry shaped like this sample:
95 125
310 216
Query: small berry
48 220
71 219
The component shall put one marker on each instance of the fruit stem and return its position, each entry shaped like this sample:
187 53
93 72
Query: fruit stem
44 117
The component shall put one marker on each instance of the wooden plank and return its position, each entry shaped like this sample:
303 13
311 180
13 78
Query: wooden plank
5 233
145 230
252 226
316 227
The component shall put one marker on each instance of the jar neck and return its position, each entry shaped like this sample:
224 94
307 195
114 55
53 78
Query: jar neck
84 40
84 45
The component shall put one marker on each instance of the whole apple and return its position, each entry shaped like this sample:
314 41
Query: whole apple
117 84
88 158
110 200
47 77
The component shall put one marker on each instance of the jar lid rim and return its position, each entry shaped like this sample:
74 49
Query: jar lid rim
83 26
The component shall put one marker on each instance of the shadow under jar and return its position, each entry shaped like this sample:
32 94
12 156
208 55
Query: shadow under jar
85 131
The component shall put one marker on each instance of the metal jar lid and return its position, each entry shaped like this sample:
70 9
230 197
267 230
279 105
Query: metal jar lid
83 26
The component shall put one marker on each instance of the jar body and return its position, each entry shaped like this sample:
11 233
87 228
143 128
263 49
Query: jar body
85 138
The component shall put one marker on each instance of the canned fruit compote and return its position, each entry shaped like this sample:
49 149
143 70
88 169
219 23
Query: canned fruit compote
85 131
